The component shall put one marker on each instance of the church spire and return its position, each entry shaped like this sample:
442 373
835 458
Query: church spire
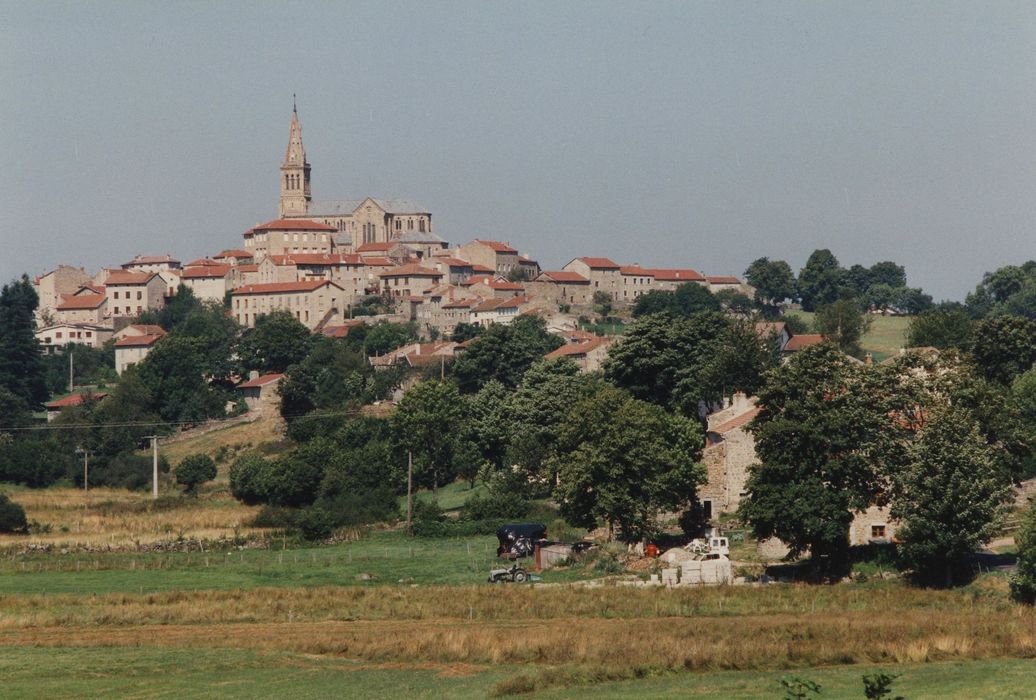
295 193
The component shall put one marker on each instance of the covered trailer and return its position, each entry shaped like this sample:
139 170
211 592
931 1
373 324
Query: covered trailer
519 540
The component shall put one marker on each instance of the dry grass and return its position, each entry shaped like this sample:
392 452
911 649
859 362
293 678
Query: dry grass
120 518
236 439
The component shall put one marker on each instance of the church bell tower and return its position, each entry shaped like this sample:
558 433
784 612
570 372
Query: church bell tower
295 195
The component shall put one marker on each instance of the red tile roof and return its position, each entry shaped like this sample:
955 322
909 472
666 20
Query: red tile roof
676 275
118 277
482 269
252 267
411 270
798 342
599 263
138 340
565 276
342 330
462 304
307 259
292 225
92 288
202 262
576 349
377 262
74 400
233 253
722 279
452 262
496 246
147 328
278 287
636 270
260 381
205 271
736 421
83 301
380 247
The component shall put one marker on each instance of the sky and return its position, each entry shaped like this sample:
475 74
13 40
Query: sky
691 134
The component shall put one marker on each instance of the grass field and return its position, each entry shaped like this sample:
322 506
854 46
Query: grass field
886 336
147 672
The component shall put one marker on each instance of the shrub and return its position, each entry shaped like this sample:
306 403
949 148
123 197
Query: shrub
127 471
315 523
246 479
1023 583
496 505
275 517
12 516
194 471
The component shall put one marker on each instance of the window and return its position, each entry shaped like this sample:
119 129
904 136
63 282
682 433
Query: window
57 335
399 224
706 508
877 532
116 294
139 297
420 225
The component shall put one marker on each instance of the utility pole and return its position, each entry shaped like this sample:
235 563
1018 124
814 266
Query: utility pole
71 381
410 493
154 465
86 470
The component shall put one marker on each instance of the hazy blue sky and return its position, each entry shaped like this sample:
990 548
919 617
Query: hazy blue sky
690 133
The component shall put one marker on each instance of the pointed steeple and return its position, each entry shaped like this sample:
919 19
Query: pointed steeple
295 192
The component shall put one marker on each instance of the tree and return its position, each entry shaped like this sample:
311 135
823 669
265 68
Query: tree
659 352
842 323
386 337
22 371
465 331
426 422
174 312
773 280
735 302
950 496
1005 347
173 376
1023 583
911 300
621 461
534 412
888 272
278 341
504 353
246 479
821 280
941 328
602 303
821 435
12 516
195 470
686 300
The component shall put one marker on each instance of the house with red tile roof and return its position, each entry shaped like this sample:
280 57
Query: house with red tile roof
282 236
131 293
234 256
151 263
314 303
409 280
499 257
260 391
83 307
729 452
51 287
604 275
561 287
588 353
209 282
134 346
54 408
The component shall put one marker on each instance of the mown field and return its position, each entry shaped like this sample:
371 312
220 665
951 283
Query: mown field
886 336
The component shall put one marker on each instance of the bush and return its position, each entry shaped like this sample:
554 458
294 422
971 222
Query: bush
1023 583
495 505
127 471
12 516
275 517
246 480
194 471
315 523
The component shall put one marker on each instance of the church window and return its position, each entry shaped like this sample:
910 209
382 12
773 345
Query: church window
287 182
410 224
399 224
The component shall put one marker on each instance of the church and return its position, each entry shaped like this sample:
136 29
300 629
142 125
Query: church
356 222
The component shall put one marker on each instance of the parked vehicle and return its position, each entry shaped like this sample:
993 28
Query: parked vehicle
514 574
519 540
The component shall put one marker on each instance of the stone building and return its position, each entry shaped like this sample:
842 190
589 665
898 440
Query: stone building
604 275
499 257
131 293
314 303
51 287
54 337
85 306
561 287
729 452
286 236
209 282
409 280
133 344
589 353
151 263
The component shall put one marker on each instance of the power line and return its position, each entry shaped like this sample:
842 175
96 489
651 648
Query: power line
153 424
